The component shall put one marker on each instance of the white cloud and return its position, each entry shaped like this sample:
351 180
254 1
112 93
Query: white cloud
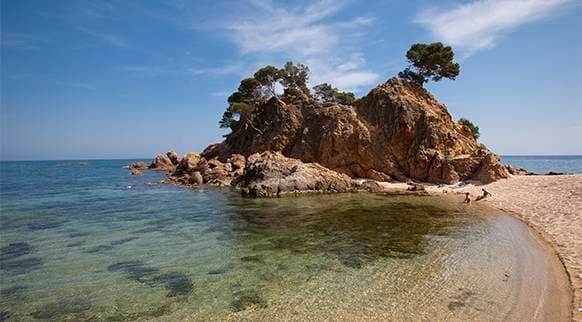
233 69
276 29
481 23
305 35
345 74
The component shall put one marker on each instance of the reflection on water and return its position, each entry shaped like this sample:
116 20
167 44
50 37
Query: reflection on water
77 243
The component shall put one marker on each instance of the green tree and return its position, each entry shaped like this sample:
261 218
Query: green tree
429 62
295 77
242 102
346 98
327 93
268 77
472 127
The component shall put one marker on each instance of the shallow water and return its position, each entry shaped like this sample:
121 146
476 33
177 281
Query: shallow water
87 241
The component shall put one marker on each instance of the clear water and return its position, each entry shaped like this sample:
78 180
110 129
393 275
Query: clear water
545 163
85 241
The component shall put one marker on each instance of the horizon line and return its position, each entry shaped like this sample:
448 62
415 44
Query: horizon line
121 159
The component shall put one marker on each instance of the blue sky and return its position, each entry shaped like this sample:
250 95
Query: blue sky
130 79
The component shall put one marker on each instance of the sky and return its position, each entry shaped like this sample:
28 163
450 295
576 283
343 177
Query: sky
131 78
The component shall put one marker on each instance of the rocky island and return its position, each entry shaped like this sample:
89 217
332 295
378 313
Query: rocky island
296 143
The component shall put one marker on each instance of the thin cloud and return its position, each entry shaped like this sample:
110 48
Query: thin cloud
109 39
76 85
220 94
20 41
306 34
276 29
346 74
233 69
482 23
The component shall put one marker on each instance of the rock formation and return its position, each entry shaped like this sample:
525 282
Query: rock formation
295 143
397 131
269 174
166 162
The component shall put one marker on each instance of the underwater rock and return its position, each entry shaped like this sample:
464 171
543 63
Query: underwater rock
123 241
12 292
20 266
177 284
45 224
61 308
252 259
246 299
4 316
99 249
76 244
136 270
14 250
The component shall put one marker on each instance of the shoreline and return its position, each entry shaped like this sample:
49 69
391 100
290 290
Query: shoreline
550 206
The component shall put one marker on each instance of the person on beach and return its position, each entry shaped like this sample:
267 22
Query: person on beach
484 195
467 198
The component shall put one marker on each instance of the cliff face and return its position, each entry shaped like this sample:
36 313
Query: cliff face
397 131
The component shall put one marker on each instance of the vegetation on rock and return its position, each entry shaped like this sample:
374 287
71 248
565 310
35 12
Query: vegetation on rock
429 62
472 127
267 82
327 93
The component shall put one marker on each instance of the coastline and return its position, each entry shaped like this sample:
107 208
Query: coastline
551 206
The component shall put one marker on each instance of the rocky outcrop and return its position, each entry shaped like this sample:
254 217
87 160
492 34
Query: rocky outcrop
396 132
270 174
296 144
163 162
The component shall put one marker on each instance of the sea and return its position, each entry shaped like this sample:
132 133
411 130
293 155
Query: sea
86 241
543 164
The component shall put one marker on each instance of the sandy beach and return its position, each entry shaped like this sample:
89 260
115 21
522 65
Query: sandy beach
551 205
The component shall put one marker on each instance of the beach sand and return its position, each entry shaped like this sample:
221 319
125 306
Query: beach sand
551 205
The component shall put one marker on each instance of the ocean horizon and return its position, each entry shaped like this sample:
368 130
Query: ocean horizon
540 164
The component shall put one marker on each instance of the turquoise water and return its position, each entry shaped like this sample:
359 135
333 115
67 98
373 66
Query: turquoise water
545 163
86 241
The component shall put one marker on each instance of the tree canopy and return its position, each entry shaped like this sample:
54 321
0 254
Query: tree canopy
429 62
267 82
472 127
327 93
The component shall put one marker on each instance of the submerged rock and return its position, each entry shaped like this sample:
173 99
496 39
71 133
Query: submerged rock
14 250
177 284
247 299
61 308
135 270
20 266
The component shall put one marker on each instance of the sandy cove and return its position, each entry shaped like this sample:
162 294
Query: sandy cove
551 205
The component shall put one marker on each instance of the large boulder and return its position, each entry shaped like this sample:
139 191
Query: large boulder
162 162
397 131
271 174
174 158
187 164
